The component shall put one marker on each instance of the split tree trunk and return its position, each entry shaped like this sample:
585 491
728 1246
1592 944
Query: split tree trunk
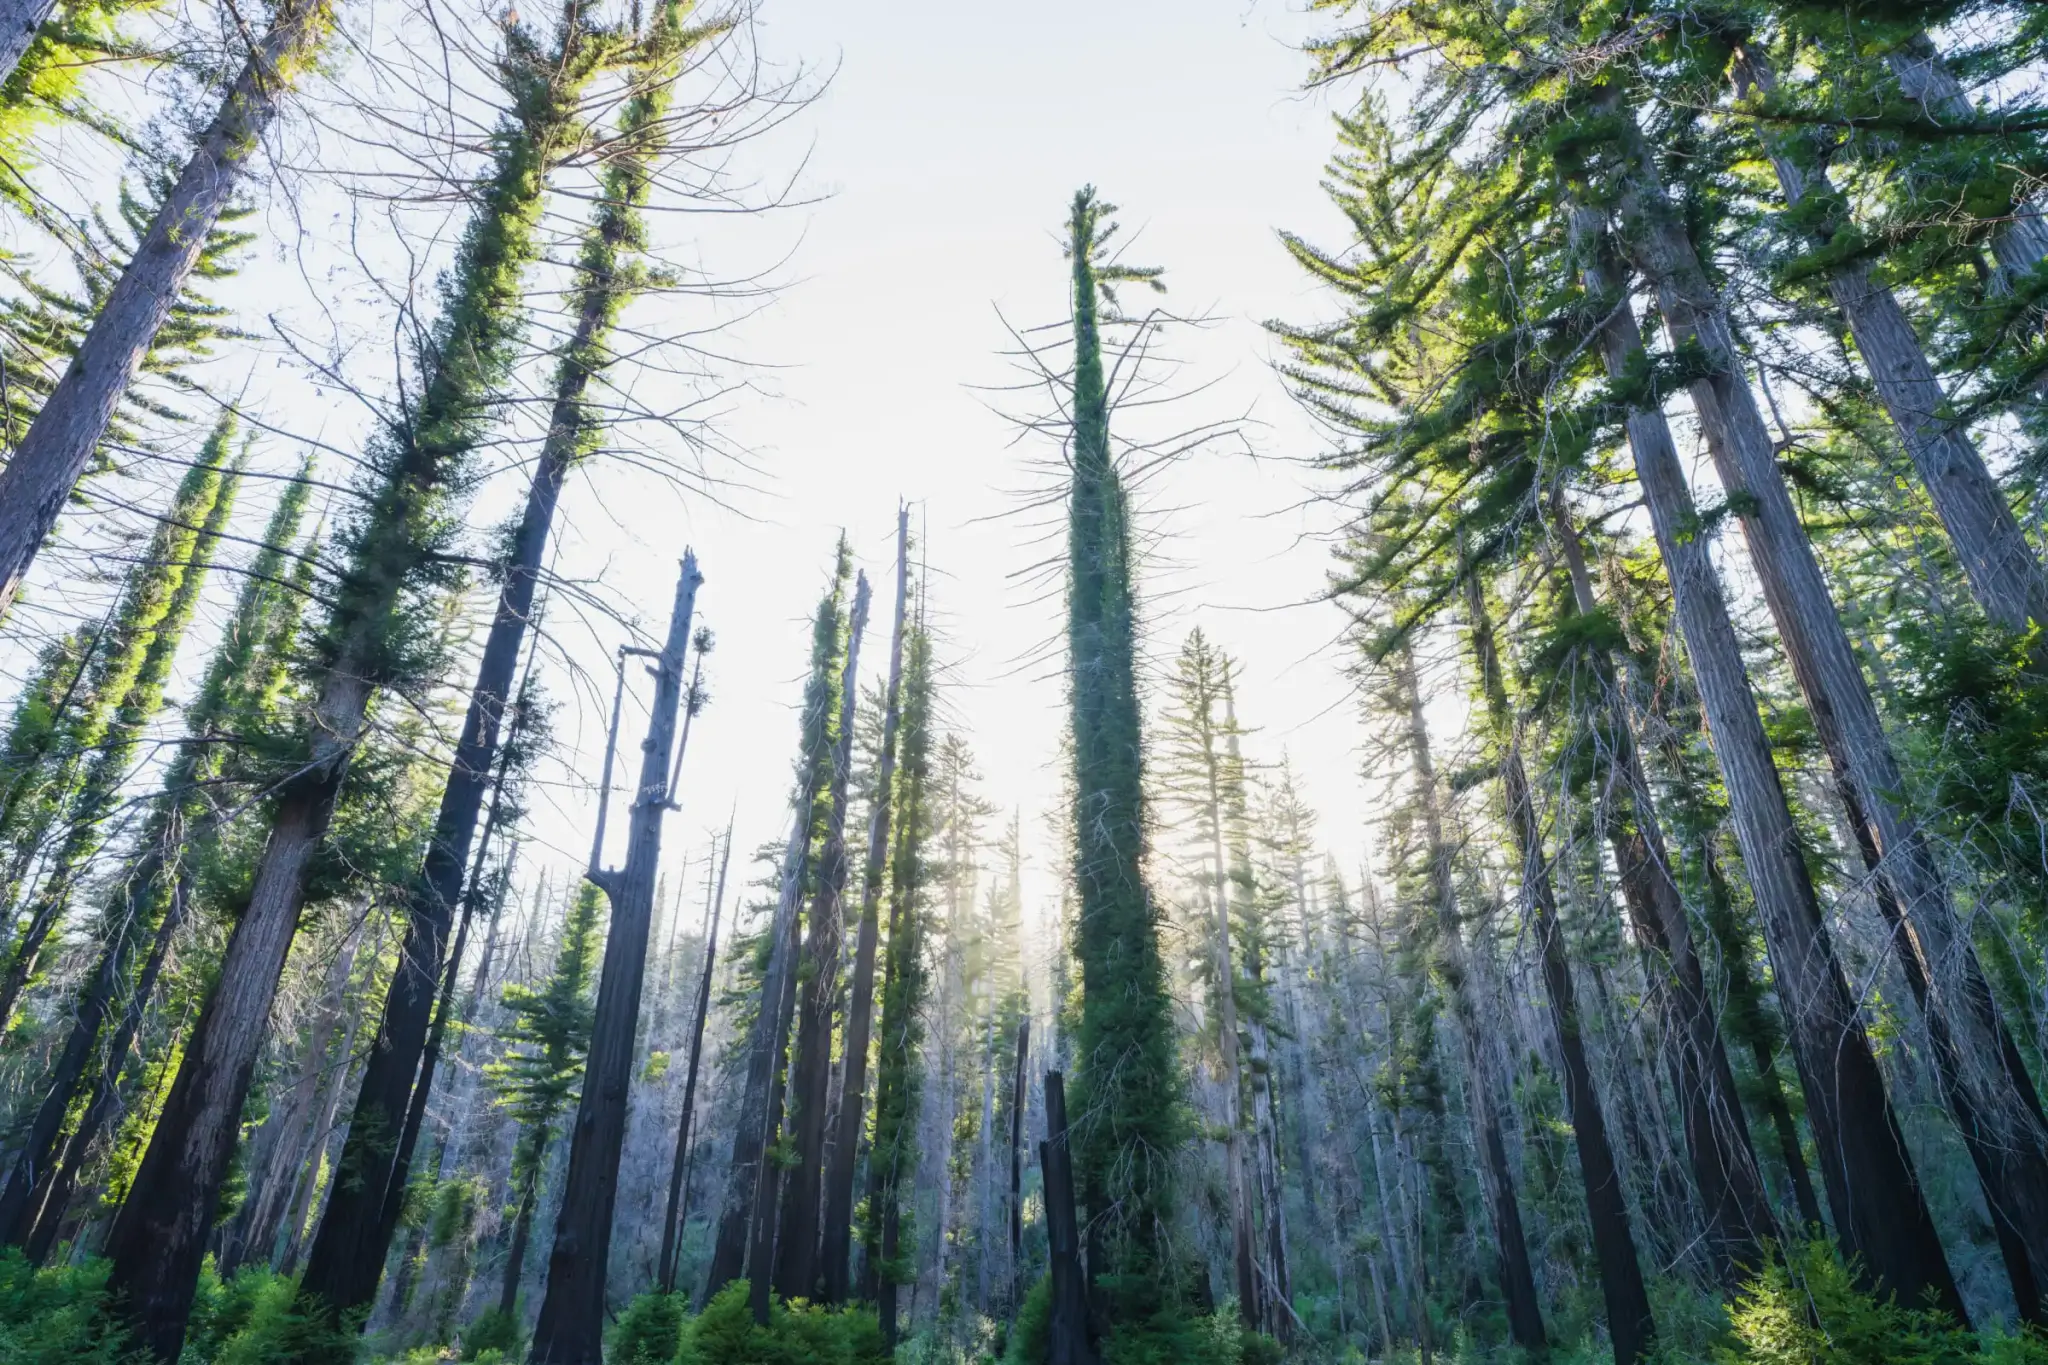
796 1258
835 1277
572 1314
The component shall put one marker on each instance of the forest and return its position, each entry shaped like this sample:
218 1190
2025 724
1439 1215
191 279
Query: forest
379 979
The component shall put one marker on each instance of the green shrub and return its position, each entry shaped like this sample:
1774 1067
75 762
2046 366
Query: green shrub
1809 1310
650 1331
59 1316
798 1333
493 1331
1028 1334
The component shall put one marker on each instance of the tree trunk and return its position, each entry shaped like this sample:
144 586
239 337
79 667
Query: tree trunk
1518 1276
1243 1241
836 1254
2021 241
796 1260
1067 1341
572 1315
1629 1321
159 1237
2005 574
348 1253
19 22
678 1207
1862 1151
53 456
2002 1109
1725 1171
522 1229
1019 1097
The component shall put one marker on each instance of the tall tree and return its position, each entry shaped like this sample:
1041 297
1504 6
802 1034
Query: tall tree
889 1231
146 905
835 1278
375 634
796 1263
750 1178
127 690
1198 768
1127 1089
1629 1321
53 456
356 1230
572 1316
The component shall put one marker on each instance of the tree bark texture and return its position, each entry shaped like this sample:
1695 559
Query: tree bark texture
2005 1109
2005 574
1880 1212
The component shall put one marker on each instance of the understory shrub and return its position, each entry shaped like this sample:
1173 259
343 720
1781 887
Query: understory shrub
798 1333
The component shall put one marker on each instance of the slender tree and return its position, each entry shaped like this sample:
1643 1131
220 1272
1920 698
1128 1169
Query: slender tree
356 1230
55 453
375 634
796 1261
750 1189
1127 1084
127 690
889 1230
1629 1320
835 1279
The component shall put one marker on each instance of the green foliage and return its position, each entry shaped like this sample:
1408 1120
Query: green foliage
494 1333
550 1027
1130 1115
797 1333
1809 1310
650 1331
254 1319
1031 1333
60 1316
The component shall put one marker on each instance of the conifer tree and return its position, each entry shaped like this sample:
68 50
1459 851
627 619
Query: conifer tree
835 1278
376 634
145 905
747 1219
1126 1097
889 1231
51 458
125 692
359 1222
1621 1275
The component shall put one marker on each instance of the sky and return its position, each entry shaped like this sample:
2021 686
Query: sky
943 153
920 195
